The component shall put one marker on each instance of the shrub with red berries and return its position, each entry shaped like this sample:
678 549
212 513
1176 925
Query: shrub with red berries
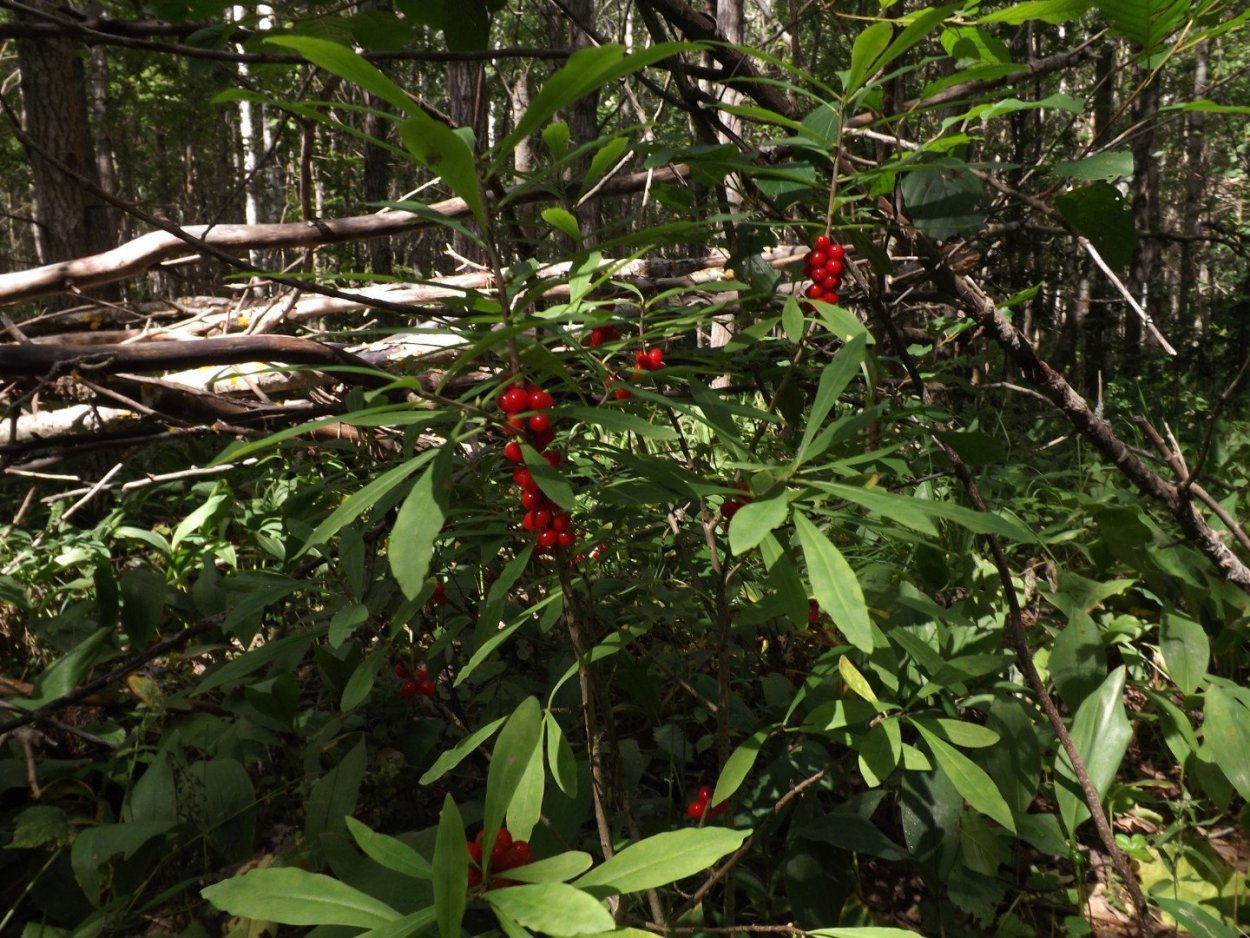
824 263
506 854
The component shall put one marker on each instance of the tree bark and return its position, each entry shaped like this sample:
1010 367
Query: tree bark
1143 269
69 220
466 105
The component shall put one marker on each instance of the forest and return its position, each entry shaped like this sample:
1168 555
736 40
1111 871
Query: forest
644 468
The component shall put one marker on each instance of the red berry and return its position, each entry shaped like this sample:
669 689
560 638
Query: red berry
815 260
547 539
813 612
504 838
640 359
705 793
814 292
822 243
528 522
552 459
519 854
439 596
531 500
542 438
836 252
695 809
831 298
425 687
512 452
539 399
523 478
718 810
560 522
409 689
655 359
542 519
597 337
729 508
565 539
401 671
623 394
475 878
829 284
832 268
514 400
540 423
475 851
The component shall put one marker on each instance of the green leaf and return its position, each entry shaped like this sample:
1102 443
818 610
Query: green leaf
1078 661
192 523
1145 22
445 153
855 680
1196 921
407 927
1101 213
451 870
914 513
291 896
1108 166
1101 732
553 909
969 779
411 543
390 852
344 621
459 752
960 732
868 47
525 808
604 159
64 673
837 590
345 63
663 859
943 198
833 381
755 520
560 757
1186 651
95 846
792 320
557 869
1048 11
520 737
556 137
563 221
738 766
1226 733
361 501
618 421
333 797
552 483
586 70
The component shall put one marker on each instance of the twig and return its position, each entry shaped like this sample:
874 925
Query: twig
1216 410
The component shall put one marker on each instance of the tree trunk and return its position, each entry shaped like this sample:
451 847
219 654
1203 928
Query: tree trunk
1195 185
583 117
70 221
1093 331
466 105
1146 221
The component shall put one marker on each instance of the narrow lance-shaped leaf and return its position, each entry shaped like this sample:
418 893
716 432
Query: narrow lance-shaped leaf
451 870
411 544
292 896
837 590
970 780
514 749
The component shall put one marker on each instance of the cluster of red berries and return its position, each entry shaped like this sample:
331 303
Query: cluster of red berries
415 681
439 596
537 427
824 268
506 854
648 359
550 525
601 334
813 612
701 805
